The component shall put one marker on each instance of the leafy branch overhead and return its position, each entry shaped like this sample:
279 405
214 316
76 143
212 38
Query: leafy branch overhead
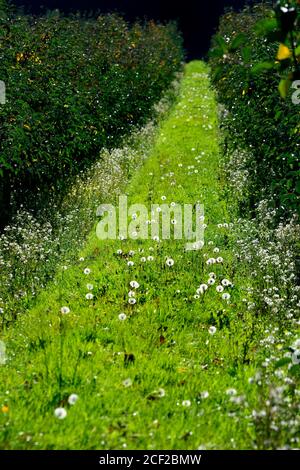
283 27
255 53
279 30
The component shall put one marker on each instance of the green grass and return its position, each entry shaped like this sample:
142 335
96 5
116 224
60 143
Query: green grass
164 342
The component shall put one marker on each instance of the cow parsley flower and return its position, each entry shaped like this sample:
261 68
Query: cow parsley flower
296 356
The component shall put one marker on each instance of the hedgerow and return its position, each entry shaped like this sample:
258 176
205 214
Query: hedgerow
254 53
73 86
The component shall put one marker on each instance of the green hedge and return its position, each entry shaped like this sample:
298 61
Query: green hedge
75 85
246 72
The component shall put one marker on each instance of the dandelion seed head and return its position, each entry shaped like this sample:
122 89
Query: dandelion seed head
134 284
60 413
170 262
202 288
127 383
186 403
65 310
225 296
72 399
231 391
212 330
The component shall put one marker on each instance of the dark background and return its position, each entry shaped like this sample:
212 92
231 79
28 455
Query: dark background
197 19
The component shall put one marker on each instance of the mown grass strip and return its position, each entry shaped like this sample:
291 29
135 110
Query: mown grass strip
157 379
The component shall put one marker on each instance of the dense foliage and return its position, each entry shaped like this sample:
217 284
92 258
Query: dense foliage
73 86
255 59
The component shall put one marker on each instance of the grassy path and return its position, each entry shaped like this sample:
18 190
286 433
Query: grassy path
157 379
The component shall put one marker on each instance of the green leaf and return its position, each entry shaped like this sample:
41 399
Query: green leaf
283 362
284 87
295 370
265 26
221 43
246 54
297 50
217 52
261 67
218 73
237 41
